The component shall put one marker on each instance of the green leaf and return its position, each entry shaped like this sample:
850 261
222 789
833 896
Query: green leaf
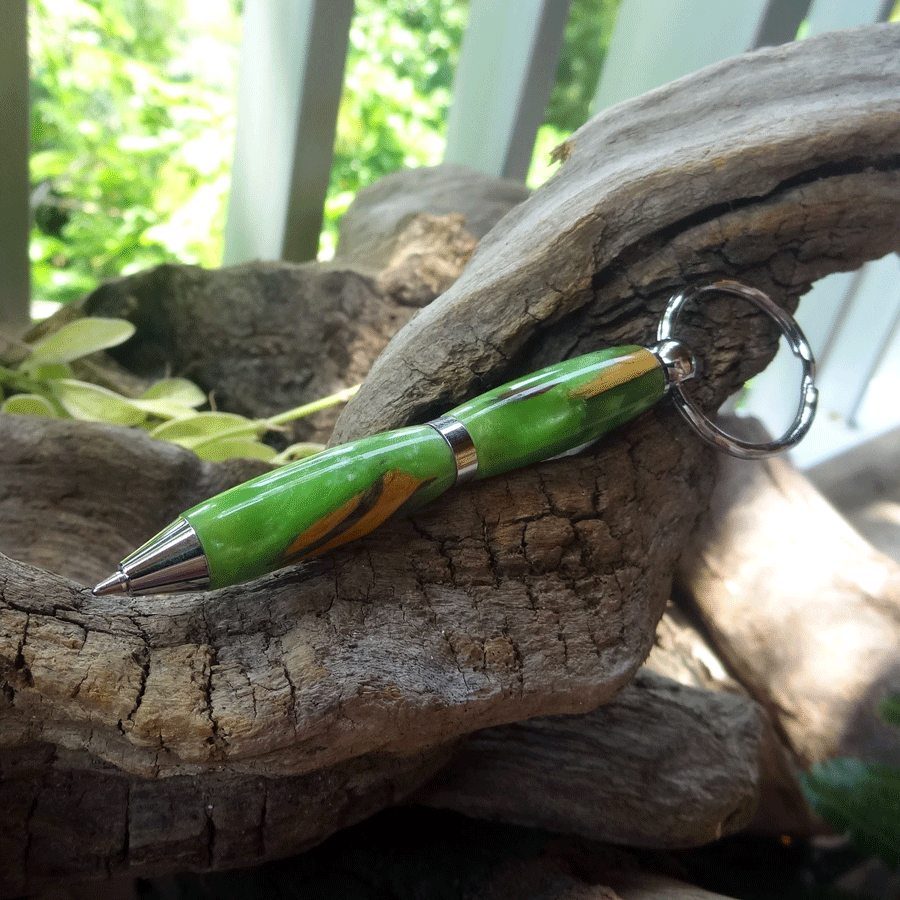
861 800
202 426
231 448
889 710
176 390
95 404
51 370
164 409
29 405
78 339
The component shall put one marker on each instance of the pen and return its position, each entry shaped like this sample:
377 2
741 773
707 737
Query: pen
300 511
303 510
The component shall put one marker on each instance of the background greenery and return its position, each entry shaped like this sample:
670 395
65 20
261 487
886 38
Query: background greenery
133 121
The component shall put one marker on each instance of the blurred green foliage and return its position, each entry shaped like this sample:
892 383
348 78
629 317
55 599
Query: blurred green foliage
861 800
397 90
132 137
133 111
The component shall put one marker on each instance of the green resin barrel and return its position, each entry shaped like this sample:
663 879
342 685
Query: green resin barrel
308 508
301 511
561 407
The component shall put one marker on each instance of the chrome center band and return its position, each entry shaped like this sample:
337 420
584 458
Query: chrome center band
460 442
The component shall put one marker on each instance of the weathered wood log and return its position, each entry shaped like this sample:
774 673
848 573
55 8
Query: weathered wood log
266 337
559 878
532 594
476 613
806 613
683 653
74 819
498 611
776 167
415 852
642 886
375 227
663 765
263 338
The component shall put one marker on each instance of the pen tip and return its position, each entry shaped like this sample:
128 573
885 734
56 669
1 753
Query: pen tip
115 584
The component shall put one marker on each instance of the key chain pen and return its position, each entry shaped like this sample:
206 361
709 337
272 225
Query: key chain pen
301 511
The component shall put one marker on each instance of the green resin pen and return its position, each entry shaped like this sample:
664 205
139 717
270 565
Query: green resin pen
301 511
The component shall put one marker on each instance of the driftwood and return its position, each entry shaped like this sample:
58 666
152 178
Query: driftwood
804 611
663 790
416 853
776 167
374 228
264 338
684 653
207 731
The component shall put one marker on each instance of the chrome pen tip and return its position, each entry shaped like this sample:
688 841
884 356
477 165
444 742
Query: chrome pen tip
115 584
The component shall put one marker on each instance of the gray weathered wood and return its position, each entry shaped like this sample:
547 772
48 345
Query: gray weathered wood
682 653
370 227
664 765
475 612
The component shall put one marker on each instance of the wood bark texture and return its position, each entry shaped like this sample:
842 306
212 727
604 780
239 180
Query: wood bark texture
266 337
380 213
208 731
683 652
416 853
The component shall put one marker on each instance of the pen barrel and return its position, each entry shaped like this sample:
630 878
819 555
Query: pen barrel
301 511
560 408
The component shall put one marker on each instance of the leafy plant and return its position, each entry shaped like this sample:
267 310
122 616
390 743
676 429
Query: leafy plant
43 384
132 130
860 799
133 113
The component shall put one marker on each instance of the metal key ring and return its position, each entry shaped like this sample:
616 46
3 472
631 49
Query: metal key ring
678 362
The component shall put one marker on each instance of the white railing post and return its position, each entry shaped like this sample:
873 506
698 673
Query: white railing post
656 41
15 221
780 23
833 15
506 72
292 71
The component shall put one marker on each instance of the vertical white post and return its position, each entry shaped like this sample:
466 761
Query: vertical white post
833 15
292 70
780 23
850 319
506 72
15 221
656 41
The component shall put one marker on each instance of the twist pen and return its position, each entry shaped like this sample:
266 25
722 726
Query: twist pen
303 510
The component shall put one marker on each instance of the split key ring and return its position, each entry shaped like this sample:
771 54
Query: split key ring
679 363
